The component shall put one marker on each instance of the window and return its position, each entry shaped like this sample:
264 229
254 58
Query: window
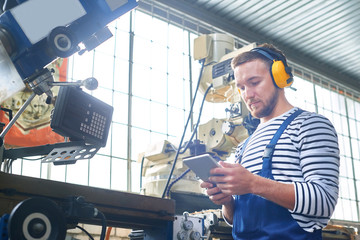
341 111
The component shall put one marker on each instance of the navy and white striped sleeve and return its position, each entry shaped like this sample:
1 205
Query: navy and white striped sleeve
317 195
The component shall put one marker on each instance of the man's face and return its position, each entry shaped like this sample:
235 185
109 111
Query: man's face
257 89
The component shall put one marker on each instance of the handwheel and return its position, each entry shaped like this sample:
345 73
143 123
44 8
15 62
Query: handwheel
37 219
62 42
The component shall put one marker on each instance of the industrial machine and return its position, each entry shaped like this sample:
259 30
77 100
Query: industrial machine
33 34
162 167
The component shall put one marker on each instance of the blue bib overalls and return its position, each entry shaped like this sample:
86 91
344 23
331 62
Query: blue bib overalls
260 219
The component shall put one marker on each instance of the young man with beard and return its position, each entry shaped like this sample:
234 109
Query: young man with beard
284 182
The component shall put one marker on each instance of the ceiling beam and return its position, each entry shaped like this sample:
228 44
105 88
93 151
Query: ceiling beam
294 55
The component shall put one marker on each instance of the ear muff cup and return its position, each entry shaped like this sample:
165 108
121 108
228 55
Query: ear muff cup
279 75
280 72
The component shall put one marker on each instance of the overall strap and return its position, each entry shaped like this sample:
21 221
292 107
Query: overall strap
269 149
243 148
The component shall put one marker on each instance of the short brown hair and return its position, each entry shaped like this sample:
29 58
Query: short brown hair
253 55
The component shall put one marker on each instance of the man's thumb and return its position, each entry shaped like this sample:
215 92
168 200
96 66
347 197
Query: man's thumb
226 164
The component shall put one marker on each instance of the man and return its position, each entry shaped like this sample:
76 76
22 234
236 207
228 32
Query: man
289 190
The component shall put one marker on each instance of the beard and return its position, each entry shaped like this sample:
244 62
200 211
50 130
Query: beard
268 106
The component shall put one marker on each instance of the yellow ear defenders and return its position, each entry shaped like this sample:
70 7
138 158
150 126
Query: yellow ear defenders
280 72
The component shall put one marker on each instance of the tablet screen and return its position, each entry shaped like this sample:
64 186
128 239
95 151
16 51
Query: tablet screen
201 165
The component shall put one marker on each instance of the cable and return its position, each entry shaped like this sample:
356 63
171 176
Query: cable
7 165
188 144
141 170
87 233
4 5
175 181
202 61
4 162
198 121
103 223
33 159
173 148
108 233
77 208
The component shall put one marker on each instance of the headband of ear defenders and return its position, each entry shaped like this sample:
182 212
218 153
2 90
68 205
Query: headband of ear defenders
280 72
270 54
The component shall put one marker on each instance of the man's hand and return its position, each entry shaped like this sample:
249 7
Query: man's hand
233 179
220 198
215 194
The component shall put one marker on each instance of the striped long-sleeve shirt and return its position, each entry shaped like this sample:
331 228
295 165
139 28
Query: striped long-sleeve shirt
307 156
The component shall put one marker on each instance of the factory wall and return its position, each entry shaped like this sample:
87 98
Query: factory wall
147 73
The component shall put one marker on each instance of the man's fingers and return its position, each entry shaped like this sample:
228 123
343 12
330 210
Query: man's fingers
220 199
217 179
213 191
226 169
206 185
228 165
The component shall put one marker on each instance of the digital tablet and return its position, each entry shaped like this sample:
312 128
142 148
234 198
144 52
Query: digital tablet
201 165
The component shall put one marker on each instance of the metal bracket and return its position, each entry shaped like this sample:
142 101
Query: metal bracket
69 155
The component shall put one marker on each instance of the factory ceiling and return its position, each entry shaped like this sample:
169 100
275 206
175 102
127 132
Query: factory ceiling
321 35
